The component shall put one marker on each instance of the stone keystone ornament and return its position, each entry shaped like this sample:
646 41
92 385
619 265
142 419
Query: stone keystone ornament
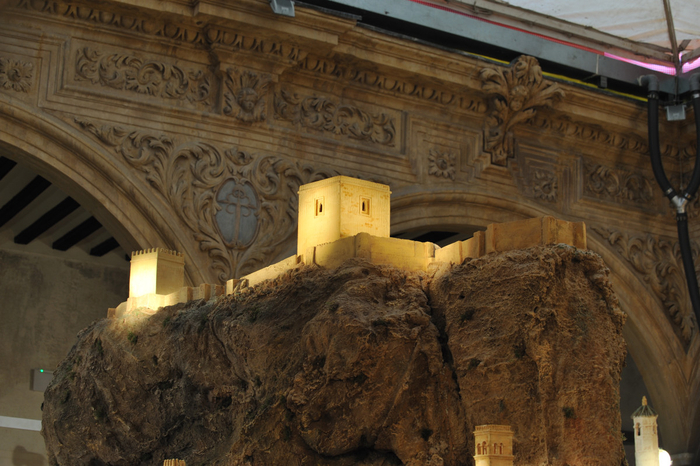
238 218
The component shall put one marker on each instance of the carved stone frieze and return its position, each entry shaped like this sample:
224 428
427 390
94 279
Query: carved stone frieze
516 93
127 72
658 261
442 164
616 184
380 81
205 35
244 95
565 126
16 75
240 207
323 114
545 185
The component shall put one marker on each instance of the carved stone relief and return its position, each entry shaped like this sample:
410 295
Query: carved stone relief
616 184
206 35
658 261
545 185
127 72
16 75
442 164
241 207
379 81
516 93
325 115
244 95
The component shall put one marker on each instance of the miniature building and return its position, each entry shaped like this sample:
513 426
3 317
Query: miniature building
341 207
157 271
646 438
493 445
174 463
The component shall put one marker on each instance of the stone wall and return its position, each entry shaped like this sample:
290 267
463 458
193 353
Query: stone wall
46 301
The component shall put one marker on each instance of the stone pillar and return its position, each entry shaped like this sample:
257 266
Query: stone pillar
646 437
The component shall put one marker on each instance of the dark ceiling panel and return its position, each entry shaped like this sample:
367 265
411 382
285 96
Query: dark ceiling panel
77 234
46 221
15 205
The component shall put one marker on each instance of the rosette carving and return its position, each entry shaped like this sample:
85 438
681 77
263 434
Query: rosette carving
545 185
515 94
658 260
16 75
441 164
241 207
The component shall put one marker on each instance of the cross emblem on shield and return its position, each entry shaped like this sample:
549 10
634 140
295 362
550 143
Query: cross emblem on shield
238 218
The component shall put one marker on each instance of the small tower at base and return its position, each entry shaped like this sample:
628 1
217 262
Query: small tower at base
341 207
493 445
174 463
646 437
156 271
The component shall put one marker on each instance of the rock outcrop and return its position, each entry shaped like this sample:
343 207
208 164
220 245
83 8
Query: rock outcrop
363 364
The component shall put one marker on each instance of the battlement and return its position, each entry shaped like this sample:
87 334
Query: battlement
493 428
342 218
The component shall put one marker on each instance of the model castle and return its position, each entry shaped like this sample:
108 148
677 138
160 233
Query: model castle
340 218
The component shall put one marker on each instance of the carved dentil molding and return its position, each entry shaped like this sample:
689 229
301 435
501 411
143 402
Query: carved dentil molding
16 75
658 262
244 94
324 114
516 93
127 72
241 207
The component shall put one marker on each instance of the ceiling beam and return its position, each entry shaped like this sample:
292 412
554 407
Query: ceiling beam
104 247
77 234
22 199
46 221
5 166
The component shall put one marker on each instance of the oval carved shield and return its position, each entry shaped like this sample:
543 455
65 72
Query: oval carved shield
237 218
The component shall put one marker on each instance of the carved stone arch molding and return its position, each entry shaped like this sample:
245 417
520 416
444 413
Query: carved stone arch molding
669 371
74 162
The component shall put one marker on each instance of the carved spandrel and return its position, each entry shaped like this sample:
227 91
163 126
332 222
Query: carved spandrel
257 193
516 93
325 115
130 73
617 185
659 264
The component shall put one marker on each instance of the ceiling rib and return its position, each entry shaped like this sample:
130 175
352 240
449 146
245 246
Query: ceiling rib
15 205
46 221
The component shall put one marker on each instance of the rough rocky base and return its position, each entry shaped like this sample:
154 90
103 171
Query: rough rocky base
361 365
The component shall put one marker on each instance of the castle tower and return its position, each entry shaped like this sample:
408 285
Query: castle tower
494 445
341 207
174 463
156 271
646 437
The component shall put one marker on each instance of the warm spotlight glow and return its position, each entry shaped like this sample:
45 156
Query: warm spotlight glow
664 458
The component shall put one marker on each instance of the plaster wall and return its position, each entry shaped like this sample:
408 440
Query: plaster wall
46 302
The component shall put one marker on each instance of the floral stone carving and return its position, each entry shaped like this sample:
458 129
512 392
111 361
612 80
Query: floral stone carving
545 185
659 262
240 207
441 164
516 93
617 185
321 113
16 75
127 72
244 95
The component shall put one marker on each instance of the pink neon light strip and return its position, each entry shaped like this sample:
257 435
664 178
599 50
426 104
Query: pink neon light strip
651 66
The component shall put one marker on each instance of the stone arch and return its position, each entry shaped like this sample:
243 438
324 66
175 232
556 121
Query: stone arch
97 180
650 338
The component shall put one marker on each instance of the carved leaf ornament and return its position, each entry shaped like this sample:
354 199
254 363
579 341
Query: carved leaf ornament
240 207
320 113
516 93
659 262
127 72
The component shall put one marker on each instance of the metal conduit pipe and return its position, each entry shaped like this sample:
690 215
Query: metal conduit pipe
679 201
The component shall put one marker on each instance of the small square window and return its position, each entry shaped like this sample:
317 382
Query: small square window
365 205
319 206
